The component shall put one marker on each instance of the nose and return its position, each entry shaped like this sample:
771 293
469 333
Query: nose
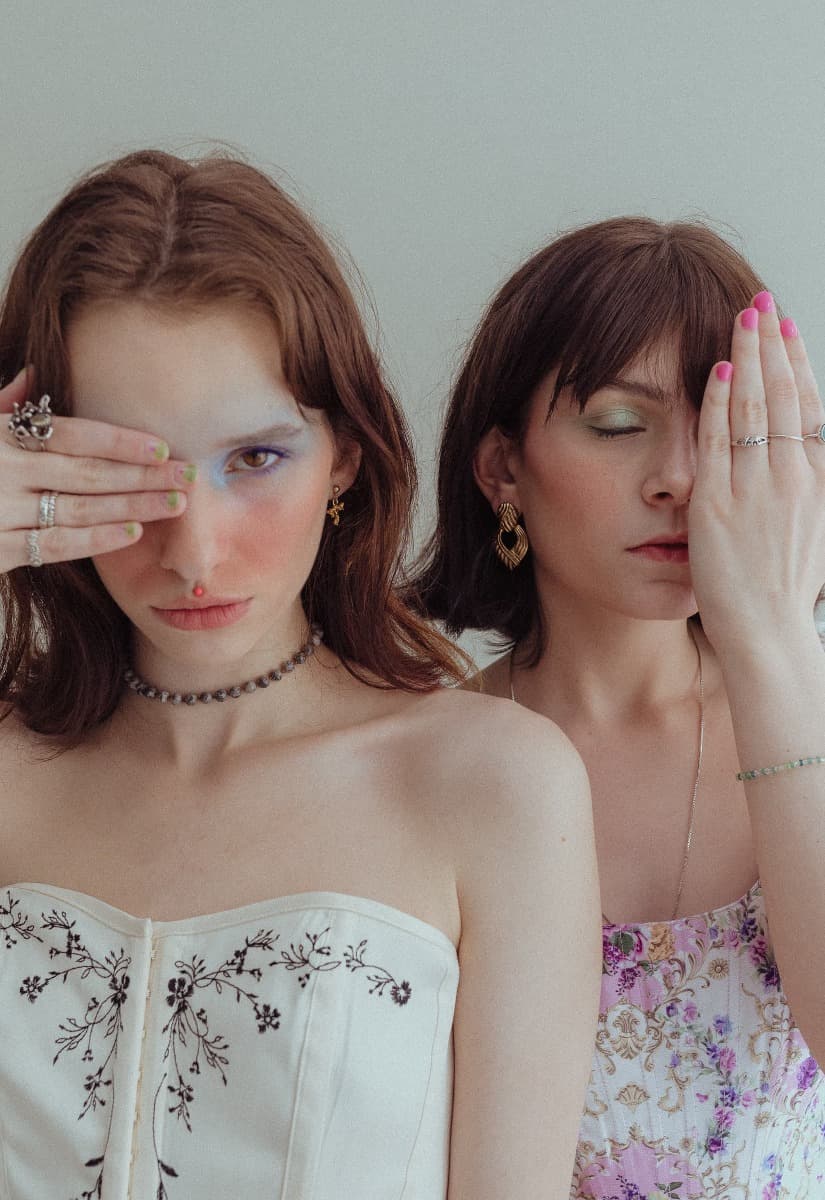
672 469
191 545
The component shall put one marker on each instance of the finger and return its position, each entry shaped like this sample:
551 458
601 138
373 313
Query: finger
748 409
781 395
85 511
64 545
39 472
713 467
97 439
16 391
810 403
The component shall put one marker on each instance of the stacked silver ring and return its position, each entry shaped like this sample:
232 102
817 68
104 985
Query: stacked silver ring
48 500
762 439
33 548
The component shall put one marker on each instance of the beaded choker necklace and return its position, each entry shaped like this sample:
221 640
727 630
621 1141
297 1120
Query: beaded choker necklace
142 688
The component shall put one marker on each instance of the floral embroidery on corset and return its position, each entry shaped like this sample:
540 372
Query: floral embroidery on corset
186 1021
102 1017
189 1020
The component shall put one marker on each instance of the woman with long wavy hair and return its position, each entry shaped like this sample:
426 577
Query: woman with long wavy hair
254 857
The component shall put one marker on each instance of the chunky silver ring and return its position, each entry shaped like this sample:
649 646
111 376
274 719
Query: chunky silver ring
48 500
819 436
33 548
32 421
752 440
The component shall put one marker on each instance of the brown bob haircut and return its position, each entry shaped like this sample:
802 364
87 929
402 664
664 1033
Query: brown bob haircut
189 234
586 306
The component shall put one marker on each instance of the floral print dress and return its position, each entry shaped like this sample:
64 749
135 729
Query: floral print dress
701 1084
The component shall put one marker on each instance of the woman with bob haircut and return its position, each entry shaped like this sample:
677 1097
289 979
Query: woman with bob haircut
260 837
631 498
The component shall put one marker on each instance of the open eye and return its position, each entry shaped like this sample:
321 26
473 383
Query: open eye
257 459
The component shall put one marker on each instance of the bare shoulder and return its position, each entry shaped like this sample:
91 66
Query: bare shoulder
495 761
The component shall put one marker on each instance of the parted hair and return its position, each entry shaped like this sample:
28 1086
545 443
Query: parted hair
191 233
585 306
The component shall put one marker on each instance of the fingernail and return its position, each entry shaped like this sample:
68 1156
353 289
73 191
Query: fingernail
159 451
173 499
131 530
187 474
763 302
750 318
787 327
724 370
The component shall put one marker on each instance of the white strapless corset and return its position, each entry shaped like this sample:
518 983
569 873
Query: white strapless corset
296 1049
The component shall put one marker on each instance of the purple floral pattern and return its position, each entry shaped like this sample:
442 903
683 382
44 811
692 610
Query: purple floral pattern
701 1084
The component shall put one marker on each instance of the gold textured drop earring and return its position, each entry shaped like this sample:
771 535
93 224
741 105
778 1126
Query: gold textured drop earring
336 506
508 522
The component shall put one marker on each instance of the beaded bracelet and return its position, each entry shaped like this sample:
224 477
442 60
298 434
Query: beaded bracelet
788 766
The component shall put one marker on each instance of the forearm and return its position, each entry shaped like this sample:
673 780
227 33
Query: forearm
777 699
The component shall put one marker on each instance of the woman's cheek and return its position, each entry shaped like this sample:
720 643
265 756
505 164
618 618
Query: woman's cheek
281 530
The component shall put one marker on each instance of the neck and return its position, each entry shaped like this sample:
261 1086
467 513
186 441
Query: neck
603 666
194 733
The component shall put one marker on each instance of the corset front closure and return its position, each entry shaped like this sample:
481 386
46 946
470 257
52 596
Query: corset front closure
298 1049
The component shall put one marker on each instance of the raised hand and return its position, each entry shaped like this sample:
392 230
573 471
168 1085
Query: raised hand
757 513
108 481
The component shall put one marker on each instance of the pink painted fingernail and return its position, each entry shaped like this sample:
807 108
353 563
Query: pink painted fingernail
749 318
764 302
724 370
787 327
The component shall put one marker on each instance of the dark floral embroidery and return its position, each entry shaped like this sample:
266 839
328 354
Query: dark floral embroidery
16 923
379 977
190 1044
103 1017
188 1022
317 956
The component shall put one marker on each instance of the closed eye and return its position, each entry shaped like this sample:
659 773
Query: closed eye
612 433
257 460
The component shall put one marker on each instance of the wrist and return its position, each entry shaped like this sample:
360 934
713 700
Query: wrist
780 652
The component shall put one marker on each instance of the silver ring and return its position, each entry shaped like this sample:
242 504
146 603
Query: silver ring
752 440
32 421
819 436
33 547
788 437
48 500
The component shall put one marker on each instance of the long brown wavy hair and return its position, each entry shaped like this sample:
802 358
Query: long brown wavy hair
152 226
586 305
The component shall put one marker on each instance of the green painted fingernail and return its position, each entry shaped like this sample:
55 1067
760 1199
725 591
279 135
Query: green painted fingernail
188 474
160 451
173 499
131 529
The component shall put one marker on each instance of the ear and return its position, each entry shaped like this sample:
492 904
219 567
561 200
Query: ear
492 468
346 465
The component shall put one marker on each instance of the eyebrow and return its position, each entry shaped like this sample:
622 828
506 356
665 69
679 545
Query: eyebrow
274 433
636 387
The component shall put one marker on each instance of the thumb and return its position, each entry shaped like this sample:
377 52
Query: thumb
16 391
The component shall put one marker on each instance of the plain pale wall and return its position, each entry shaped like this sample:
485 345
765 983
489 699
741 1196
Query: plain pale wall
441 143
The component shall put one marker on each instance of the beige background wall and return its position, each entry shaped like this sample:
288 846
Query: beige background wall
442 142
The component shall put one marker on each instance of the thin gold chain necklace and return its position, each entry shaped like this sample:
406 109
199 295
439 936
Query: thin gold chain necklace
699 753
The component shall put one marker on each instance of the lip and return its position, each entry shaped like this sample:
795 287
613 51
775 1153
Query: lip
671 547
203 616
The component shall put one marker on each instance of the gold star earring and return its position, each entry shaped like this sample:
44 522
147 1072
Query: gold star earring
336 506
